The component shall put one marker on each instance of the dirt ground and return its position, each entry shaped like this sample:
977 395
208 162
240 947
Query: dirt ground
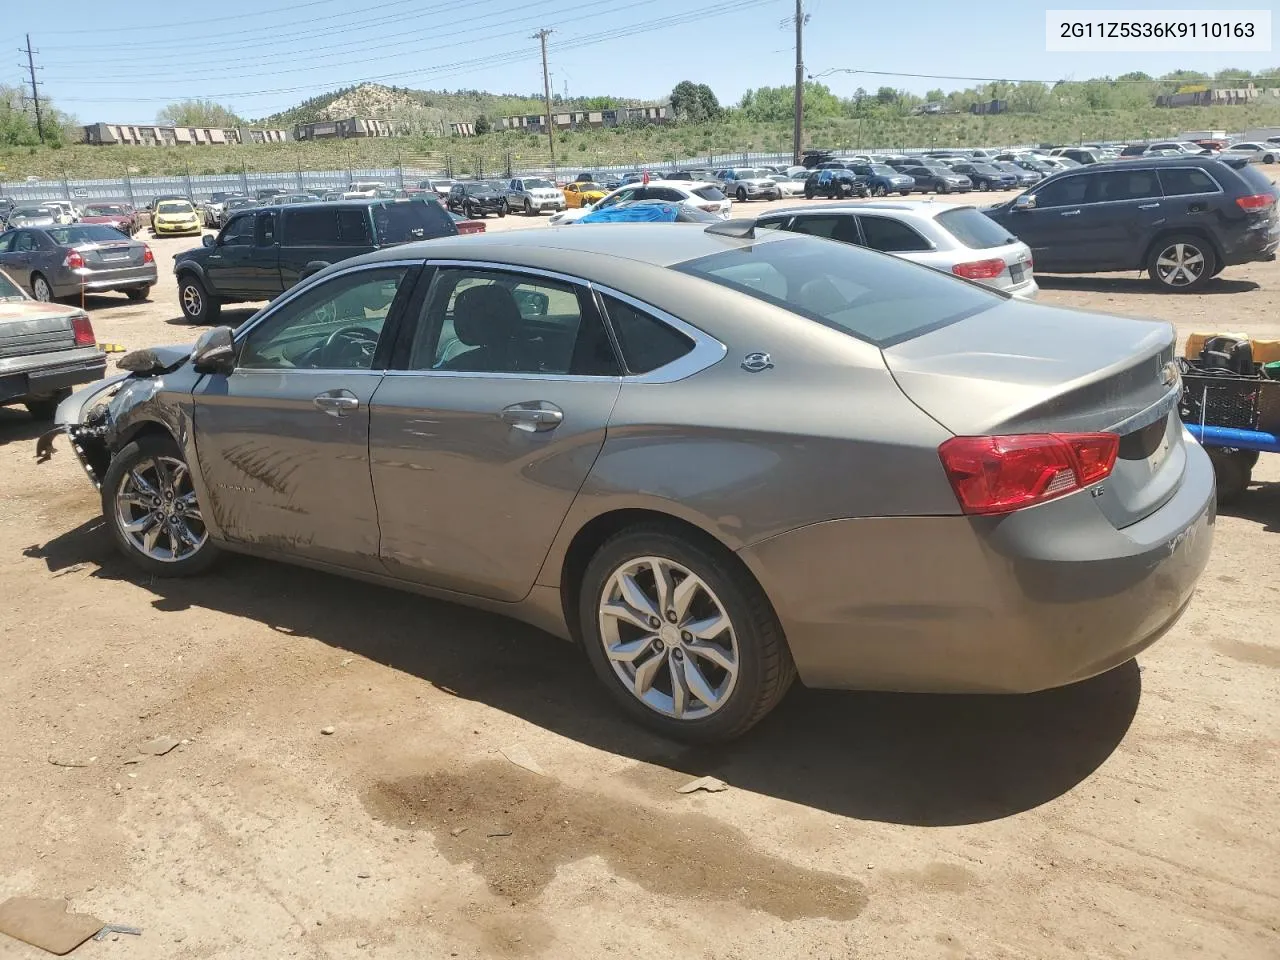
1134 815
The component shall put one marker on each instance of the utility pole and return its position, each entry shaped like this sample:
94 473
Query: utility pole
799 124
546 90
35 89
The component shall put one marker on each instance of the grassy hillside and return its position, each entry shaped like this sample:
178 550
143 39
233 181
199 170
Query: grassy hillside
631 145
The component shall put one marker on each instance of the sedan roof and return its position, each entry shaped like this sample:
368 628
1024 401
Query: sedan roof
566 246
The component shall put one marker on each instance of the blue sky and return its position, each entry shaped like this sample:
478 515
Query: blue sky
122 62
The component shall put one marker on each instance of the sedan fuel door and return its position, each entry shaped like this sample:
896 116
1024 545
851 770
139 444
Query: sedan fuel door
283 439
480 444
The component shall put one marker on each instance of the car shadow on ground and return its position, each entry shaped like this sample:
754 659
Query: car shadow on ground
1132 283
229 317
897 758
16 426
1260 503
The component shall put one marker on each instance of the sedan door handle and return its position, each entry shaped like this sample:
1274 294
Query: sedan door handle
337 403
1148 206
533 417
1072 213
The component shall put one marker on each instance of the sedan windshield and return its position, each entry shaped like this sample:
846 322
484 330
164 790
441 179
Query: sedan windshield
539 185
585 187
105 210
172 208
31 212
879 299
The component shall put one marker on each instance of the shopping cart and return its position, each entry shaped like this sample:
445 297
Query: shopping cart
1235 417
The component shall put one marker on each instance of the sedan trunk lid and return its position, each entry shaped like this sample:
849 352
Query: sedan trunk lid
29 327
1035 369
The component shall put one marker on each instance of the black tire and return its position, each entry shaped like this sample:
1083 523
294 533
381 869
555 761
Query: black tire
41 289
197 305
528 207
879 191
808 193
741 195
138 294
130 456
1269 158
1191 248
1232 471
905 193
502 210
44 408
943 187
469 211
765 667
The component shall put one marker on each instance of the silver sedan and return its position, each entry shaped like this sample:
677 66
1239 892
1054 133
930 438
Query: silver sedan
61 261
714 457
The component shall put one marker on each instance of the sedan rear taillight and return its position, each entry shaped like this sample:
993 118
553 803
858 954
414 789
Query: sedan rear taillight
1255 201
992 475
82 330
147 255
979 269
74 261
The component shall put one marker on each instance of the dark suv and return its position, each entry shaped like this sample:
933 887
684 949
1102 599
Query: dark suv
477 199
1181 219
263 251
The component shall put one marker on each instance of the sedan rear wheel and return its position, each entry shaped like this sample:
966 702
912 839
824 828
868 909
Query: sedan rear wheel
40 288
150 504
1181 264
682 636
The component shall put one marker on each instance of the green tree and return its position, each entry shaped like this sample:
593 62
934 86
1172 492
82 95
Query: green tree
198 113
695 102
482 125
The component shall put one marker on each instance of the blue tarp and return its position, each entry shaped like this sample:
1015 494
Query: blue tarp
635 213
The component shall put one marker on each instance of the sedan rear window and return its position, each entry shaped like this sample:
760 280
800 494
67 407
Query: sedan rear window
974 229
714 194
84 233
880 299
404 222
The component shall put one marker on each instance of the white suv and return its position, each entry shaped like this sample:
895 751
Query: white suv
953 238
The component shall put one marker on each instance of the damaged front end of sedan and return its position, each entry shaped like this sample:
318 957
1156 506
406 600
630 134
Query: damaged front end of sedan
102 417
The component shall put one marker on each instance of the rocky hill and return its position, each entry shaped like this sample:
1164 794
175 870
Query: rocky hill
425 110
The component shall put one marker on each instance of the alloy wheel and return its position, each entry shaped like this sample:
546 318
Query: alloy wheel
157 512
668 638
192 302
41 290
1180 264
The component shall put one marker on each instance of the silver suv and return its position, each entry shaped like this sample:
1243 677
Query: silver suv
748 183
533 195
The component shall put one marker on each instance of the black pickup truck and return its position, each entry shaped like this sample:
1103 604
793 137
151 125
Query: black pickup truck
263 251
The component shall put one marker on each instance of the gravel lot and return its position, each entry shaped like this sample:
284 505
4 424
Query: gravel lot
1134 815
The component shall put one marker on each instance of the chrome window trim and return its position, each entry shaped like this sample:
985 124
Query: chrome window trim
1203 193
1144 418
1136 166
707 351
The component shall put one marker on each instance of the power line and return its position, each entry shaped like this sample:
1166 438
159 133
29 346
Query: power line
511 56
131 77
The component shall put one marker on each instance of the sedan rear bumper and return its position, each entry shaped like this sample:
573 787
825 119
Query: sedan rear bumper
1041 598
69 282
44 374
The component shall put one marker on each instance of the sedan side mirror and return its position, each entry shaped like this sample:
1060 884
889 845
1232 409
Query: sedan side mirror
215 351
209 240
1025 202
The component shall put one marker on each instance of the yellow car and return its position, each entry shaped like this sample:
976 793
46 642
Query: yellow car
581 194
175 218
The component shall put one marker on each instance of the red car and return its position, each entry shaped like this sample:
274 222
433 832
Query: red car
118 215
467 226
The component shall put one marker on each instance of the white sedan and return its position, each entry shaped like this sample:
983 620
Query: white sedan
703 195
1254 152
790 186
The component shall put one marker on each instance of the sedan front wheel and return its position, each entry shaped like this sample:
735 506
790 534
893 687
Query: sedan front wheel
683 637
150 505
